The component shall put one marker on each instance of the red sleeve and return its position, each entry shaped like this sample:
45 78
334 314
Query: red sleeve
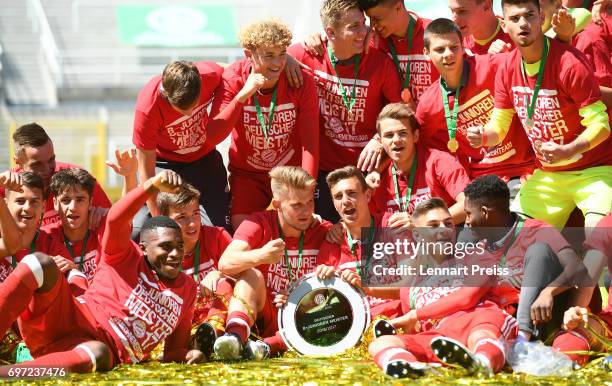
548 234
147 116
460 300
116 241
308 118
391 81
329 254
176 344
577 78
226 109
503 97
450 174
601 237
100 199
216 241
251 232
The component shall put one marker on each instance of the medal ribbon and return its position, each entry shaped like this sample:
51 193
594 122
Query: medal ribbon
406 75
32 250
260 117
536 89
357 61
196 262
451 120
300 253
517 230
398 198
83 250
353 243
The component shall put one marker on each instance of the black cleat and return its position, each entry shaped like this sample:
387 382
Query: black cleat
205 337
404 369
455 354
383 327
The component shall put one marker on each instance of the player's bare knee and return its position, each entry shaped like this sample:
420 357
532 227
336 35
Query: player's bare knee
384 342
101 354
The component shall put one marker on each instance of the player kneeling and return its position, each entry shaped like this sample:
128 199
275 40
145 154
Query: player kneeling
447 317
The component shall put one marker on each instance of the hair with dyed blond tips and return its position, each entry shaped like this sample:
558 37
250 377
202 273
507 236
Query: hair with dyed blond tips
332 11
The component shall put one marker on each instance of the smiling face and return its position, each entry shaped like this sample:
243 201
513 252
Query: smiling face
188 218
163 249
269 61
351 200
435 227
398 139
73 205
348 35
386 18
468 14
26 207
39 160
523 22
296 207
446 53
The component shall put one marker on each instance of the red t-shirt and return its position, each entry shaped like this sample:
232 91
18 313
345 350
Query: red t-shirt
213 241
342 137
532 231
422 72
601 239
568 85
438 174
291 134
341 257
100 199
55 246
262 227
174 136
592 43
127 298
6 263
472 46
511 158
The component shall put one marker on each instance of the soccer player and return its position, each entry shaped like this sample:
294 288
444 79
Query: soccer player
577 338
137 299
20 214
351 195
34 153
541 262
557 98
272 122
203 246
463 97
416 173
479 26
170 132
269 252
353 88
454 321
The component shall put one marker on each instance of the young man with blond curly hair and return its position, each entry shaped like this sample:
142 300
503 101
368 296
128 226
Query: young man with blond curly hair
269 119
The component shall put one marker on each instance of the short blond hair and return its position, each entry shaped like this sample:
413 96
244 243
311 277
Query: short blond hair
283 178
399 112
185 195
332 11
270 32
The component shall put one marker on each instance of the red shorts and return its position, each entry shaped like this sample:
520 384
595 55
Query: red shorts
267 320
250 192
391 309
56 321
459 326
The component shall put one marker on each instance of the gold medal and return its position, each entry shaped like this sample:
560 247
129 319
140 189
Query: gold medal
452 145
350 115
407 96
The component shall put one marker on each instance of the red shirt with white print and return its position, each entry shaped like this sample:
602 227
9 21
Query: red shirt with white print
86 257
592 43
212 243
438 174
127 298
262 227
422 71
6 263
475 48
601 239
50 216
568 84
174 136
513 157
344 135
291 134
532 231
